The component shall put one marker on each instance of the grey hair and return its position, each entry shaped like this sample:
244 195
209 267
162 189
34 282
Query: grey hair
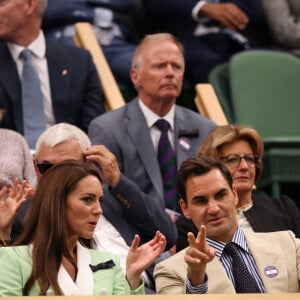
41 7
60 133
154 38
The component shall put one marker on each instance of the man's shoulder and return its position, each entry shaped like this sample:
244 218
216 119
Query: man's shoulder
276 237
192 115
114 116
65 49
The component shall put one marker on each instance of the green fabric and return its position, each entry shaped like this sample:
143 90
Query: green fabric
15 266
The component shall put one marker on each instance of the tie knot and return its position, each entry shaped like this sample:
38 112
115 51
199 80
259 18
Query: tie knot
162 124
26 54
231 248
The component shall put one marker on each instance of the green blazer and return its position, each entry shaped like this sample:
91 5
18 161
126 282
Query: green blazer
16 266
278 251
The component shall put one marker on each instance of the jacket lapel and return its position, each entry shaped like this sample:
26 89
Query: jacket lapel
9 79
270 262
59 79
84 283
141 138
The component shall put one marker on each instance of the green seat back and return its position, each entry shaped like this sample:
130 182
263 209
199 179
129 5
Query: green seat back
265 92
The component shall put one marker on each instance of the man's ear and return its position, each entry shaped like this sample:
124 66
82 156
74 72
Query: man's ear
234 191
184 208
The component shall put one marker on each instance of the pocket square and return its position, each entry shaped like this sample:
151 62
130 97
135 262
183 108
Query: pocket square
105 265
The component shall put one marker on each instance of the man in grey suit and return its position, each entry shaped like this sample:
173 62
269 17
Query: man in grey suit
208 264
130 132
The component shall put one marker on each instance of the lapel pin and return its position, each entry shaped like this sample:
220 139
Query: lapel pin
184 144
271 271
64 72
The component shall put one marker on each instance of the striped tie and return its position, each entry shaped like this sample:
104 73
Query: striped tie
167 162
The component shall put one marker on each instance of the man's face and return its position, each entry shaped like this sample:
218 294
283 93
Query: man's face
160 75
60 152
211 202
12 19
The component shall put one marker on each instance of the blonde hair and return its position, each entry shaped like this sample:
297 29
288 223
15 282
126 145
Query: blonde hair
228 134
153 38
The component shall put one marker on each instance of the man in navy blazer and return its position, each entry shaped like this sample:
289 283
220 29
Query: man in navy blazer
130 133
211 31
70 85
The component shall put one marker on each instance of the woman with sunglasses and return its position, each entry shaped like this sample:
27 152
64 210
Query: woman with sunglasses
52 256
240 148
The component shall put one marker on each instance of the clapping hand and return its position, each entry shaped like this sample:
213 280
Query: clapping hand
11 199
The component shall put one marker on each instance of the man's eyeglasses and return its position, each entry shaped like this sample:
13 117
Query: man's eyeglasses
43 167
235 160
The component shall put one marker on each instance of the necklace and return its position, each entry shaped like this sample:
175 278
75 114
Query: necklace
243 208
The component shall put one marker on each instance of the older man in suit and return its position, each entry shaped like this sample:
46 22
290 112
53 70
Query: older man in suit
271 261
132 133
70 87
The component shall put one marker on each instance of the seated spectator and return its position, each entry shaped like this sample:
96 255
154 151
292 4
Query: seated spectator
126 210
140 132
240 148
17 178
61 79
284 22
16 161
116 42
224 258
61 219
211 31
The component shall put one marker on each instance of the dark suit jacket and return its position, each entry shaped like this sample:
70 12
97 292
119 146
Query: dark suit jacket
205 52
76 94
266 215
125 133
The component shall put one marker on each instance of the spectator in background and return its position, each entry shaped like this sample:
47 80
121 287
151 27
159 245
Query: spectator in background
284 22
16 161
211 31
116 42
17 178
240 148
70 87
51 258
133 133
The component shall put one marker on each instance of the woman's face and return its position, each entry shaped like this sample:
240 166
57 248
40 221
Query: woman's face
242 170
84 207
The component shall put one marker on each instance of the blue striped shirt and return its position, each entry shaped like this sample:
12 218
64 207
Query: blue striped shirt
226 260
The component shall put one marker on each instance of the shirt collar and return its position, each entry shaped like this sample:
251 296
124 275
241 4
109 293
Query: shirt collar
38 47
238 238
152 117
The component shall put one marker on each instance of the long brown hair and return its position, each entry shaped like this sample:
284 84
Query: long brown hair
46 224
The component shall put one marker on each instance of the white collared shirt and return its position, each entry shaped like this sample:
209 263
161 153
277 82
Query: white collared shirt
155 133
38 48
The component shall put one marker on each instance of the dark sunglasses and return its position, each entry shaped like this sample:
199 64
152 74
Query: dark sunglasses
43 167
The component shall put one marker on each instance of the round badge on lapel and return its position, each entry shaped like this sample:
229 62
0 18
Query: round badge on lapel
271 271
